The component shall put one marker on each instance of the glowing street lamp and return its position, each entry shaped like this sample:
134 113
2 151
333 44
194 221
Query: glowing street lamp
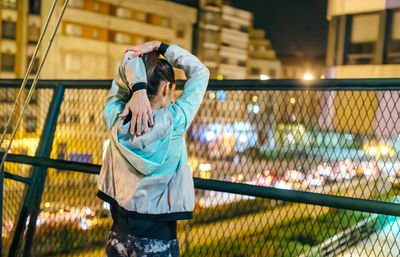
308 76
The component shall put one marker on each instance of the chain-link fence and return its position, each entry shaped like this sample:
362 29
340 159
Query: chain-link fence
328 140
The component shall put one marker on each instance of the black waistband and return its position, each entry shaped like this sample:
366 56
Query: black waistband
149 217
164 230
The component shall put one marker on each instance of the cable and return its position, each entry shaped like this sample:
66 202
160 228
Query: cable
33 84
22 87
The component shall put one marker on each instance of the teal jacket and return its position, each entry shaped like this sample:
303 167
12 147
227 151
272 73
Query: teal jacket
148 176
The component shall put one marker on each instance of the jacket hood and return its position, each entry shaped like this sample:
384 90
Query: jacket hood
147 152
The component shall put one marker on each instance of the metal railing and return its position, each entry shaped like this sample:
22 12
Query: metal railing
264 155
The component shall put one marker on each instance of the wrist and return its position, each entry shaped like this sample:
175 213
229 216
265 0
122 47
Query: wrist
156 45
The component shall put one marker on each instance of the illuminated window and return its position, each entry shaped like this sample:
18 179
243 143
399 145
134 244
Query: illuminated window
122 38
365 29
73 62
123 13
141 16
165 22
9 4
7 62
140 40
73 30
77 4
96 7
95 33
8 29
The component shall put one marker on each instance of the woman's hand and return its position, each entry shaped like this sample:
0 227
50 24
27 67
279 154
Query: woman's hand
139 106
140 50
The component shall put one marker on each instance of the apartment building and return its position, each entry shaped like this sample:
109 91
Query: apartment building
363 42
263 63
223 39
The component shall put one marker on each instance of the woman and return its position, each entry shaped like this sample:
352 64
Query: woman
146 178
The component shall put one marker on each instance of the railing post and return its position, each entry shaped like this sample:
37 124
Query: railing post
30 207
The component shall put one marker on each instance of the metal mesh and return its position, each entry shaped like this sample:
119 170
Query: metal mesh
333 142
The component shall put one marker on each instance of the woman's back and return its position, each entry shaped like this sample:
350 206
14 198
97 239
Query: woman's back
149 176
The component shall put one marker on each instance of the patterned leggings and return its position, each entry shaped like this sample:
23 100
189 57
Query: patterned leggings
126 245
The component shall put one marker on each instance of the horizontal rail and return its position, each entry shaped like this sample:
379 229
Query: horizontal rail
17 178
272 84
326 200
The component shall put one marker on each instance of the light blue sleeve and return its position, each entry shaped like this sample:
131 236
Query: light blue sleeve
197 76
130 72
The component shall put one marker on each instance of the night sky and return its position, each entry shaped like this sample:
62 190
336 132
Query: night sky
295 28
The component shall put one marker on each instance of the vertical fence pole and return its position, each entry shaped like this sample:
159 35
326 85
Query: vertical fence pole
30 207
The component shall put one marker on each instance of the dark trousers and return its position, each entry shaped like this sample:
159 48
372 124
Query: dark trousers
120 244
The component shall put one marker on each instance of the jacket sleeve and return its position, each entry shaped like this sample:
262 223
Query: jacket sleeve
197 76
130 72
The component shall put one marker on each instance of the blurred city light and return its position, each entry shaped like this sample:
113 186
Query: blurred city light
308 76
264 77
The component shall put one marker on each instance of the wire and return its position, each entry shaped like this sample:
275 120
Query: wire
34 83
22 87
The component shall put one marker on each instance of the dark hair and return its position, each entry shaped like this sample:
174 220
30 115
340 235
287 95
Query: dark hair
157 70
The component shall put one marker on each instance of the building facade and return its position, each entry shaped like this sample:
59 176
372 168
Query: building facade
262 57
223 39
363 42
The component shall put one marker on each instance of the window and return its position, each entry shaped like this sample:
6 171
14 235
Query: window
92 118
242 63
33 34
73 30
31 123
96 7
75 157
9 4
34 98
224 60
165 22
180 33
272 73
8 29
95 33
62 151
3 123
211 18
122 38
7 95
141 16
227 25
34 7
7 62
69 118
123 13
244 29
255 71
77 4
394 41
140 40
364 35
73 62
35 66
